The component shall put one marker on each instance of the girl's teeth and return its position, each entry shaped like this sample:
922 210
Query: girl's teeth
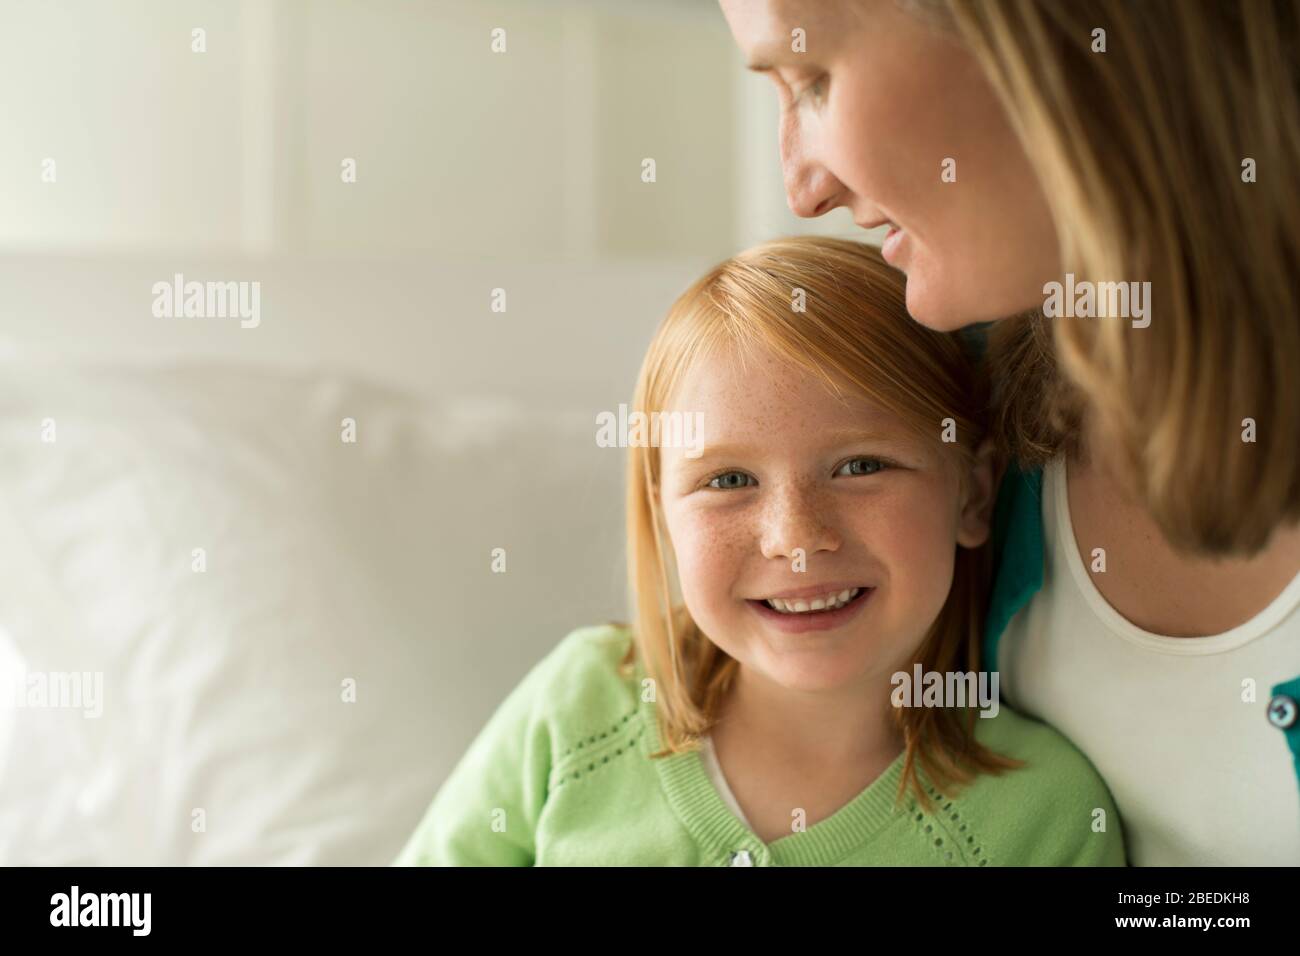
827 602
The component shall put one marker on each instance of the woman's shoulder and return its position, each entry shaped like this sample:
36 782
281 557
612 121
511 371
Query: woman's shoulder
1054 809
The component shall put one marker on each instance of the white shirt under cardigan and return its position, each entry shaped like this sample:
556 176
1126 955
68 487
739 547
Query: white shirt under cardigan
1199 775
714 769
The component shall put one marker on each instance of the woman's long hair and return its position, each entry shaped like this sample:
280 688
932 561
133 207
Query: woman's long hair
1172 157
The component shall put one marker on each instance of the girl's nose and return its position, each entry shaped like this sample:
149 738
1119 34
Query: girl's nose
797 521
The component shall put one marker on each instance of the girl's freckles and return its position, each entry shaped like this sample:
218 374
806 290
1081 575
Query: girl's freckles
718 540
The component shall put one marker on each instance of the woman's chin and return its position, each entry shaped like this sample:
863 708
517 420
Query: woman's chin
943 304
930 307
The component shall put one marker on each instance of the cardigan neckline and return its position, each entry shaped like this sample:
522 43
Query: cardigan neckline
701 809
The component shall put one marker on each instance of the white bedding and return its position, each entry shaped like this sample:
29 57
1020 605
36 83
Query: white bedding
325 562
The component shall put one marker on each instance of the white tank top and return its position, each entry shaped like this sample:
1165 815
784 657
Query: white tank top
1199 775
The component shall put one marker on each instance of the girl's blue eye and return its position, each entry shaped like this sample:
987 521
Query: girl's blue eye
725 480
861 466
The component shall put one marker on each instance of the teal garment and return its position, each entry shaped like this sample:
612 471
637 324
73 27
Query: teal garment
1284 713
1017 553
1018 559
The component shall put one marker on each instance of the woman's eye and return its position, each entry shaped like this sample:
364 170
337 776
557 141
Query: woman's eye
861 466
816 91
730 479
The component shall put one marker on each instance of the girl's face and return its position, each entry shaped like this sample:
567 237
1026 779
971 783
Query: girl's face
870 115
788 470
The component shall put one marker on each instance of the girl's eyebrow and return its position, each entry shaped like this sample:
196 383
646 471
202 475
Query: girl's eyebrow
833 438
844 436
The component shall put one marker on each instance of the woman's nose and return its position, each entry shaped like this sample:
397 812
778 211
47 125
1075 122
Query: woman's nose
810 188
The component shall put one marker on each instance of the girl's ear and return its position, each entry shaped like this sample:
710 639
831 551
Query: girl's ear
976 518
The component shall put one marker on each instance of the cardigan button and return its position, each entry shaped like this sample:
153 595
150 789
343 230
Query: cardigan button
741 858
1283 712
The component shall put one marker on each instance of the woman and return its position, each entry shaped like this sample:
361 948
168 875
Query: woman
1148 594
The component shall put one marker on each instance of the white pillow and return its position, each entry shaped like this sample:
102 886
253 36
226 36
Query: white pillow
326 562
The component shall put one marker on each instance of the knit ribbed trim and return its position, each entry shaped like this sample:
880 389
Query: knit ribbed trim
720 834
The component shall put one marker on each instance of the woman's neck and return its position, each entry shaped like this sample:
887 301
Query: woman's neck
1154 586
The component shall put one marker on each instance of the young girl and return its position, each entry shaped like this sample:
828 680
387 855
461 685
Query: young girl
799 683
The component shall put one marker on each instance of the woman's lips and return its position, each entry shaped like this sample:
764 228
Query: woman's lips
812 620
890 247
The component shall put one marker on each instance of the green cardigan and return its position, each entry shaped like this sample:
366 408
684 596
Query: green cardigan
562 775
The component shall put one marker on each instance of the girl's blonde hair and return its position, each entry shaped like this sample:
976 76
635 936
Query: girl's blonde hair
855 334
1142 151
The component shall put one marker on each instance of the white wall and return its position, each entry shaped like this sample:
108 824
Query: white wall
460 152
475 171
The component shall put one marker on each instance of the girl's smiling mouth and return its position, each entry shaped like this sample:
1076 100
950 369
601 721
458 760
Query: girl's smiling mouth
812 609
